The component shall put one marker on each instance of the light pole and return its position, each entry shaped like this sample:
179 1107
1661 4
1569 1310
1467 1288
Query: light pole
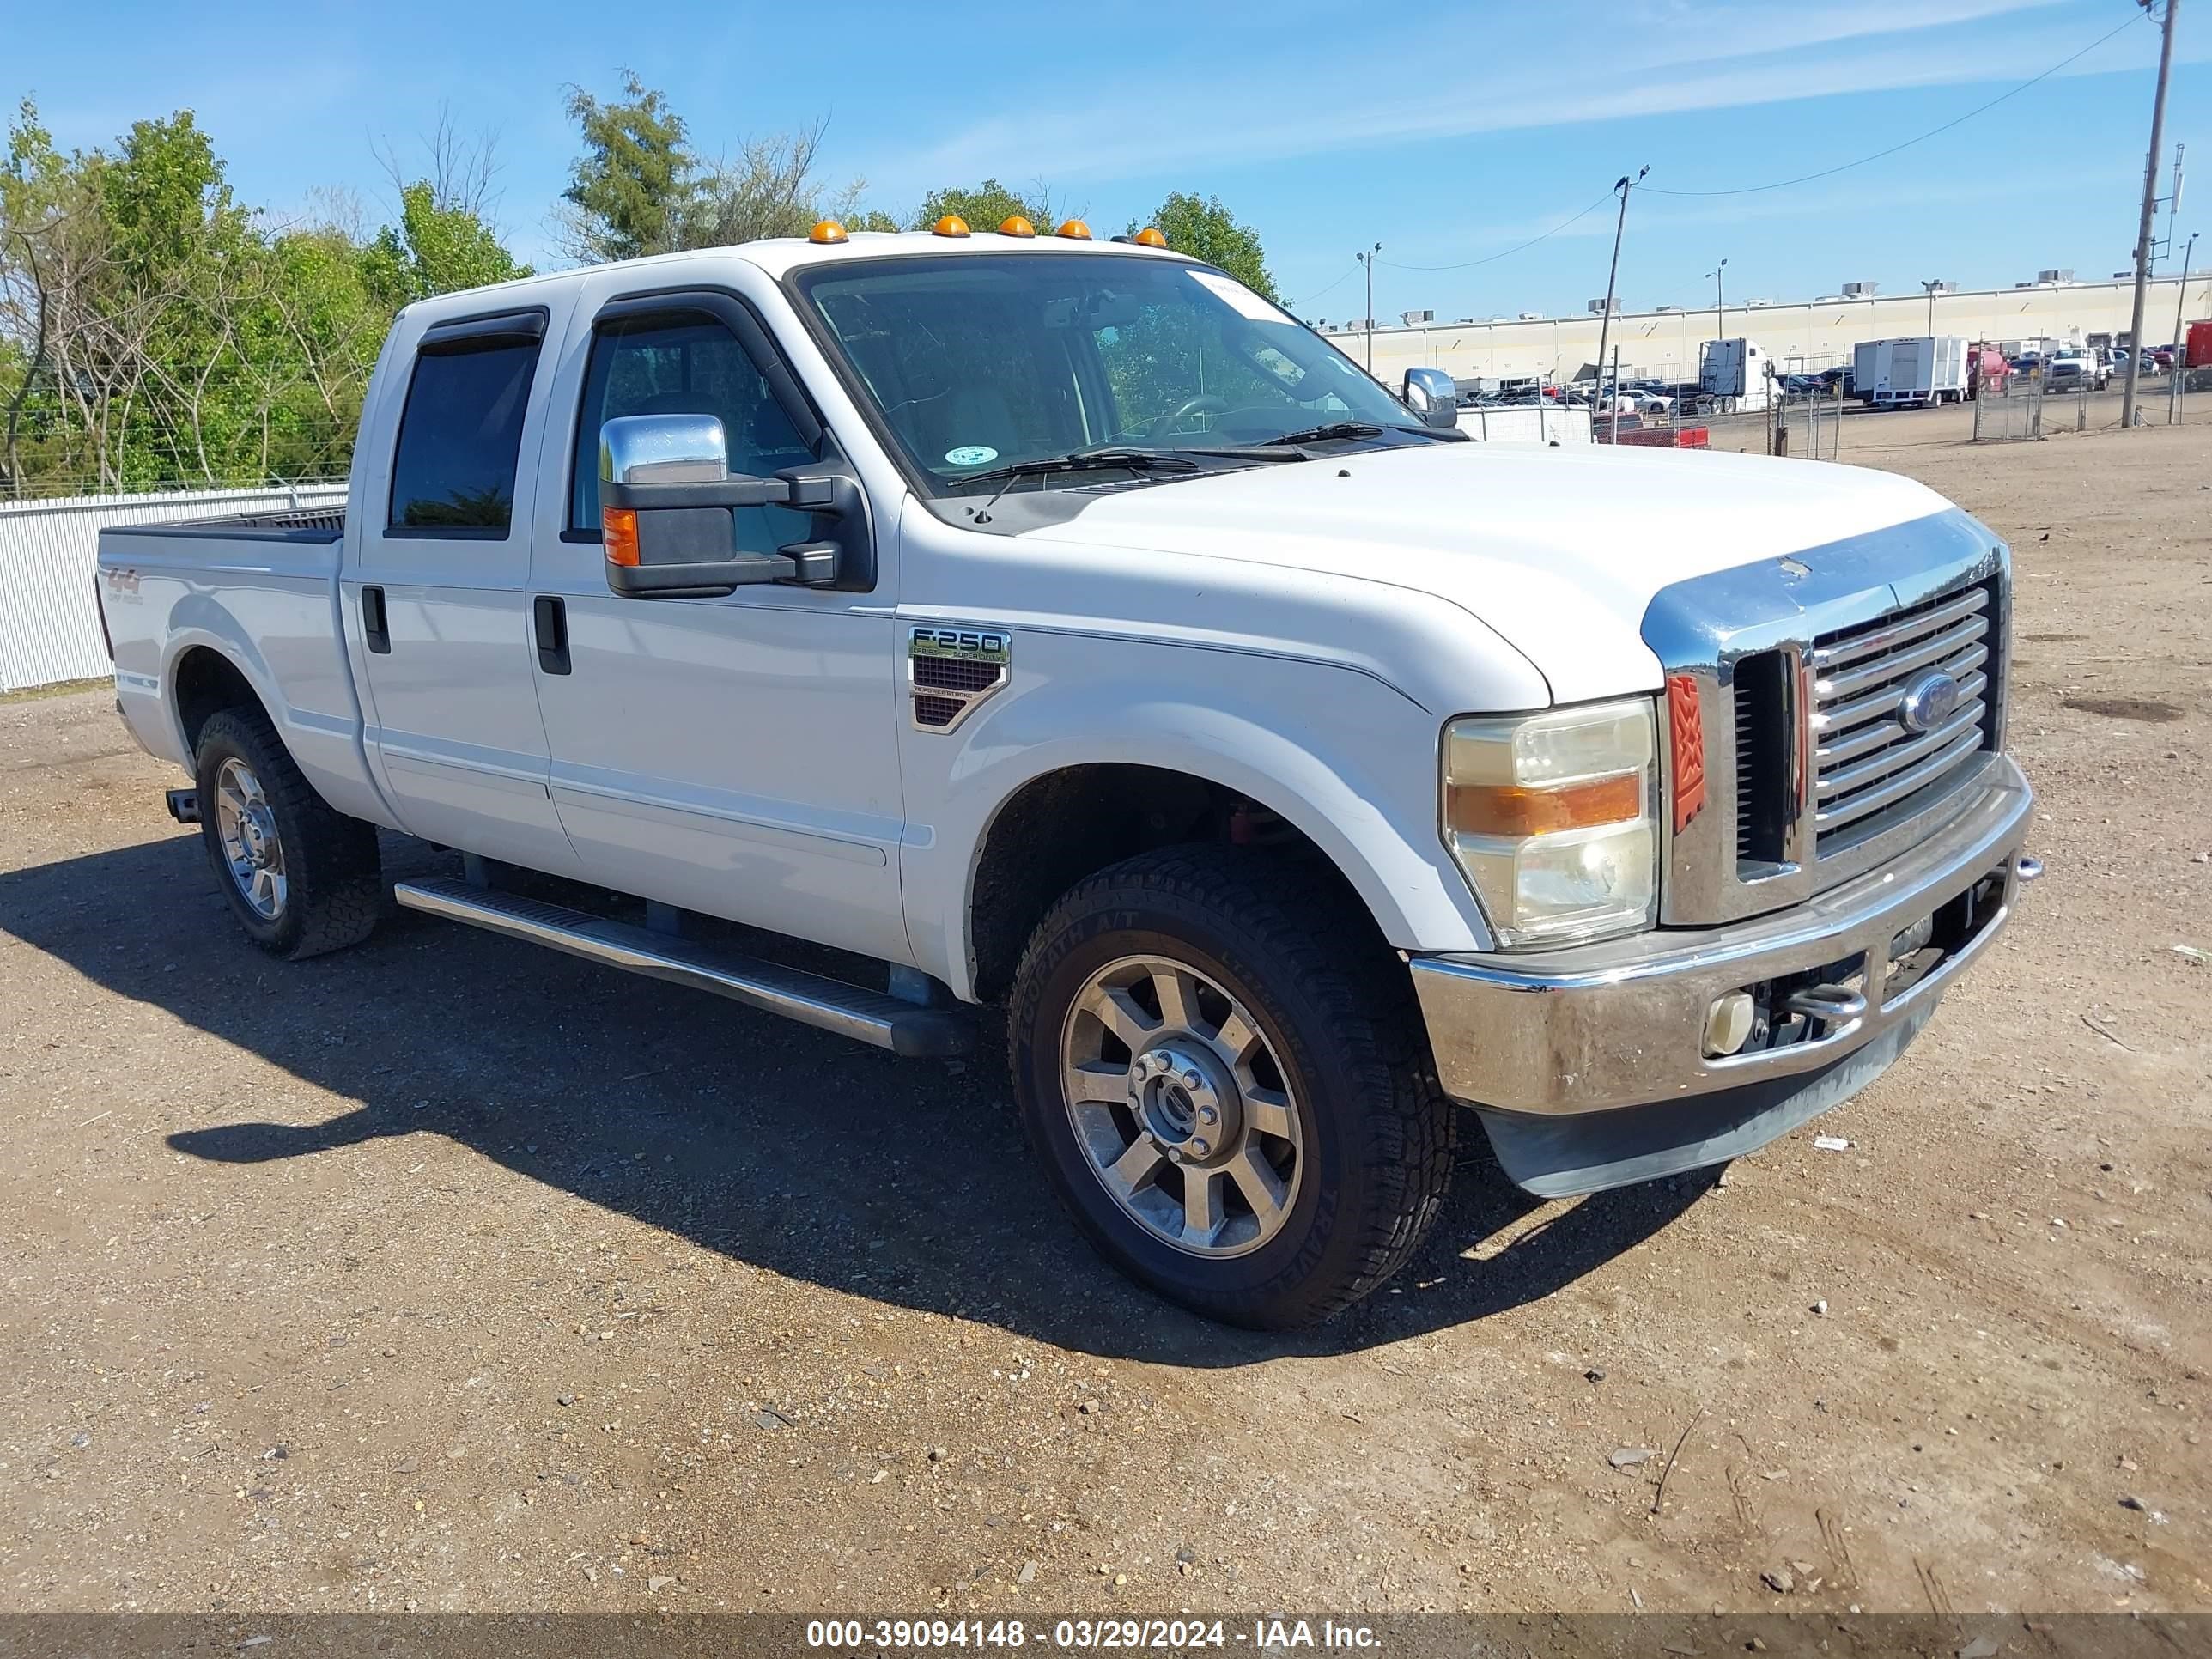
1720 316
1931 287
1623 185
2149 208
2180 346
1368 259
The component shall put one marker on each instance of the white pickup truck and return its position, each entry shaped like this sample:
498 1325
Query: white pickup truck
1053 622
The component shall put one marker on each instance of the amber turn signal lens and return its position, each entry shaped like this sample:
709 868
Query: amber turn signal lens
1499 809
1149 237
829 230
951 225
618 534
1014 225
1074 230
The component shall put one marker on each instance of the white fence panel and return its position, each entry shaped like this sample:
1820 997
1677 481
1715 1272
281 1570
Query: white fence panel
49 620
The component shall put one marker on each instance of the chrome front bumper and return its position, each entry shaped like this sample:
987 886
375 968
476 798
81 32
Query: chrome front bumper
1599 1028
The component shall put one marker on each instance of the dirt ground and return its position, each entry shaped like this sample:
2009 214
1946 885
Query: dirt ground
447 1274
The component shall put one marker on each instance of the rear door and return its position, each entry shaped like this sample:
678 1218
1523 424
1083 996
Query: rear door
737 755
436 594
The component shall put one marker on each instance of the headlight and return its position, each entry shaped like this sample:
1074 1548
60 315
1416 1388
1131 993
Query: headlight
1551 817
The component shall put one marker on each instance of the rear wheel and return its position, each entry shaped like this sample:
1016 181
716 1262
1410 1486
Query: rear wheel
300 878
1231 1093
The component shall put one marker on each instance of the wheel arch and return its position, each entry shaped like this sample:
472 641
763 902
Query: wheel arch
1055 821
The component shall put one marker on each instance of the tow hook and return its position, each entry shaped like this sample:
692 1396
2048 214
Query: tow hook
184 805
2026 869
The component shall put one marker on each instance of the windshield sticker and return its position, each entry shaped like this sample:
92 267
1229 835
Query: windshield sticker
1241 299
971 454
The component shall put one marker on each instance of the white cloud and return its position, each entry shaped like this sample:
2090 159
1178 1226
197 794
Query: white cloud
1500 71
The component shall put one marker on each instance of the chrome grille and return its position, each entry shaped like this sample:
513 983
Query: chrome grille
1871 771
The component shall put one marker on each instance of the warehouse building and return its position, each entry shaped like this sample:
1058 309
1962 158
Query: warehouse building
1800 336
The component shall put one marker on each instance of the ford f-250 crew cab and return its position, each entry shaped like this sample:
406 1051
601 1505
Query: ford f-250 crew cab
1055 623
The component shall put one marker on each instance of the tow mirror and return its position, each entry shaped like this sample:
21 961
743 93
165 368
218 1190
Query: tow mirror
1432 394
667 500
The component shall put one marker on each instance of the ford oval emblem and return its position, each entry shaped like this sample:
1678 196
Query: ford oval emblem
1929 702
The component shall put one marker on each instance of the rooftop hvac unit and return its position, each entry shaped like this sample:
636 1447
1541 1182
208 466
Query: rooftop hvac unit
2063 276
1414 316
1942 287
1861 290
1531 316
1597 307
2123 276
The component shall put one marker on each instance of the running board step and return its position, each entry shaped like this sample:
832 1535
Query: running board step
872 1017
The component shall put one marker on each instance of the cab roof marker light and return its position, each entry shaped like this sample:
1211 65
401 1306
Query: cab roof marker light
827 231
1150 237
951 225
1074 230
1014 225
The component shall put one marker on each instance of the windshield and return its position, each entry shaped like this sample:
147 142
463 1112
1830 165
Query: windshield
980 363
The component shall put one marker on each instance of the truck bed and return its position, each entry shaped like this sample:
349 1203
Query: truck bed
260 591
284 524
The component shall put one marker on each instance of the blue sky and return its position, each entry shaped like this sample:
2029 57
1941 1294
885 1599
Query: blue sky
1448 132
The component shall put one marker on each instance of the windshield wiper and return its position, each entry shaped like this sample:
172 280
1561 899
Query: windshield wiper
1314 435
1092 460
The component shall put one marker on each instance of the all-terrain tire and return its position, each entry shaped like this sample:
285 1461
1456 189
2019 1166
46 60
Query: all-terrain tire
333 885
1334 1006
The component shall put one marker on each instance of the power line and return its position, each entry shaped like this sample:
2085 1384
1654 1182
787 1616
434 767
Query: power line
1338 283
1468 265
1830 172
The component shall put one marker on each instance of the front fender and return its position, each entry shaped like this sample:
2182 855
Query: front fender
1359 778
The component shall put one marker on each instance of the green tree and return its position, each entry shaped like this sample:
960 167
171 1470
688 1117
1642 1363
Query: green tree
154 330
985 206
632 186
435 250
1206 230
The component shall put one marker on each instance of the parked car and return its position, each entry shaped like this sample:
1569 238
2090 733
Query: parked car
1306 783
2071 370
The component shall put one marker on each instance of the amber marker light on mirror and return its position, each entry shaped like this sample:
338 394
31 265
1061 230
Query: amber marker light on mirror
618 534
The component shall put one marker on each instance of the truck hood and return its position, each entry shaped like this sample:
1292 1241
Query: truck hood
1559 551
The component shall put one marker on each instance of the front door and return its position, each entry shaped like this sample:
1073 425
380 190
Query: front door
735 756
436 600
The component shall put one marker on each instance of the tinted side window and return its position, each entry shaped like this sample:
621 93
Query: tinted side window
687 367
459 437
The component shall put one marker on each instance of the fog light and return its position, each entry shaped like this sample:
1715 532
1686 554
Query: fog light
1728 1023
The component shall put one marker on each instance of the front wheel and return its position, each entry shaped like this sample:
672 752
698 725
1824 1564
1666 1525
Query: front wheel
1230 1092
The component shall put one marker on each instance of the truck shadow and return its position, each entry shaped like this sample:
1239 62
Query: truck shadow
777 1145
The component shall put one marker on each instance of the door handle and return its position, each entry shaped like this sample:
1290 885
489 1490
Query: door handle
549 616
373 626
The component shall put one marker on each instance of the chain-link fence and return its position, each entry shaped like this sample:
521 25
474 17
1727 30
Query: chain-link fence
2009 412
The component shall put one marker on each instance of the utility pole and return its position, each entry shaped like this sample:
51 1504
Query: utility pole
1368 259
1720 315
2180 346
1623 185
2150 209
